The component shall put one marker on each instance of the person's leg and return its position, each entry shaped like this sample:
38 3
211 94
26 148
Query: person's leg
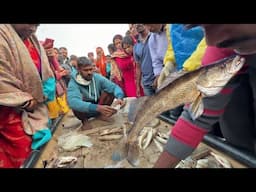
148 90
15 144
105 99
84 118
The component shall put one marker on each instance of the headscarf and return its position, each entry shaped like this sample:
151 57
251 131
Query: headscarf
101 62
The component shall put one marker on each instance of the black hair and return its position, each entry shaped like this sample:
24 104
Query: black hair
56 49
128 32
73 57
83 61
117 37
63 48
112 47
127 40
90 53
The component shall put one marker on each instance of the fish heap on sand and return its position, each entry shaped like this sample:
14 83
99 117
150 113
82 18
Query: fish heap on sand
213 160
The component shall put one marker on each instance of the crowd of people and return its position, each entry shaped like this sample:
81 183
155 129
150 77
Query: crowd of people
39 82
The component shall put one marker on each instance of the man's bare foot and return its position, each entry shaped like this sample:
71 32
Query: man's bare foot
105 118
86 125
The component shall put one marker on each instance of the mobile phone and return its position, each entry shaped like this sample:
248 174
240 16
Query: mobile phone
48 43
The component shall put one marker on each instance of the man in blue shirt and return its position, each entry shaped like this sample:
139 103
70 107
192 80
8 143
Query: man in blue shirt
145 73
90 94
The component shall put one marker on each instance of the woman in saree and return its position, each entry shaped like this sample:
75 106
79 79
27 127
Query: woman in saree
123 69
101 61
27 83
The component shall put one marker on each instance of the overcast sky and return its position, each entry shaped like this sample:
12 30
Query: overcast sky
81 38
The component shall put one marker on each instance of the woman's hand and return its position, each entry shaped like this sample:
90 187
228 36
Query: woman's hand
50 52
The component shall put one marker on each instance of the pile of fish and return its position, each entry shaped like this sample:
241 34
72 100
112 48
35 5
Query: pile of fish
61 162
149 134
212 160
111 134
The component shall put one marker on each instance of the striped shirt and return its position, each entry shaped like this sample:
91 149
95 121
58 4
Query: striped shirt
233 102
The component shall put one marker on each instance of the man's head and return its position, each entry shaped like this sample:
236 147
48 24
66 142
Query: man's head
154 28
25 30
140 28
91 56
240 37
85 68
132 29
63 52
73 60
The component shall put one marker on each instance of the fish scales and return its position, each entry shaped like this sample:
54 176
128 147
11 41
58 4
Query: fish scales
181 88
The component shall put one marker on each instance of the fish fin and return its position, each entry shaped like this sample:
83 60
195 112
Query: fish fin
135 106
210 91
197 107
133 154
170 78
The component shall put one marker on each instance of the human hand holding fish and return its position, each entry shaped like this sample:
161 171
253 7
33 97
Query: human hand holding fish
154 84
118 104
106 110
185 88
169 67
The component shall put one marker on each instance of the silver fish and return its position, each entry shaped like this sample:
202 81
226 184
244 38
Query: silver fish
185 88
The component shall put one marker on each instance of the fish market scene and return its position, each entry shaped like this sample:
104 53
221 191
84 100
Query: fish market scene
109 96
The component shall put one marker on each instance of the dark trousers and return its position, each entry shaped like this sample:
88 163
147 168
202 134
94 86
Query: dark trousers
105 99
237 124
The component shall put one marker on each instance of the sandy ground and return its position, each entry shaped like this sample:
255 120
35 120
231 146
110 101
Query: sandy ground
99 154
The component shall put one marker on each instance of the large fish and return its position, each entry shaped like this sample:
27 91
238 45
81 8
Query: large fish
185 88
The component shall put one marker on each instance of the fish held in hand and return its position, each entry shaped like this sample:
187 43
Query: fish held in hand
179 89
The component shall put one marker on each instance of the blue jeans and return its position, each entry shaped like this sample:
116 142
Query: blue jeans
148 90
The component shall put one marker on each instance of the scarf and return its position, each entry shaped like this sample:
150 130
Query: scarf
20 80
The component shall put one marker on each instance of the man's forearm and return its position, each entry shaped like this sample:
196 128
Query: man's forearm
138 74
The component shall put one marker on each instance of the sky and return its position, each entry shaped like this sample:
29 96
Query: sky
80 39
